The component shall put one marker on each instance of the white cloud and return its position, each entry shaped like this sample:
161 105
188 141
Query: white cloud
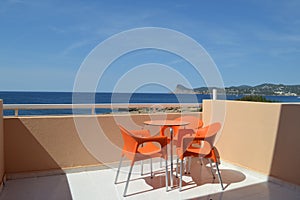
277 36
76 45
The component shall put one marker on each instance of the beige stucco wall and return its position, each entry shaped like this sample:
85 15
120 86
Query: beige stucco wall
286 159
260 136
2 169
43 143
53 143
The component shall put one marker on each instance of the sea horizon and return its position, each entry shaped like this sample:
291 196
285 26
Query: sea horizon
12 97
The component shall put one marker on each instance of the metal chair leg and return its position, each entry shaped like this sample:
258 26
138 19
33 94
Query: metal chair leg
201 161
167 184
177 167
211 168
180 183
185 163
142 168
219 175
117 175
128 178
190 161
151 173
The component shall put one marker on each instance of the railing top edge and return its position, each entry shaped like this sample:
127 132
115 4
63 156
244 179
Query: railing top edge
108 105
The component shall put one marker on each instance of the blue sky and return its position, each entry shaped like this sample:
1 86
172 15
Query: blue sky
43 43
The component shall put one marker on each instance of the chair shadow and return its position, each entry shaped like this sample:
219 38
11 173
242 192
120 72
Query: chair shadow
199 175
158 181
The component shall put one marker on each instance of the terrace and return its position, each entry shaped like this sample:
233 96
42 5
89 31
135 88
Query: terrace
43 157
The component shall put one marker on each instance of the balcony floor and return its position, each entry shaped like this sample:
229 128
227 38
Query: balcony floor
99 184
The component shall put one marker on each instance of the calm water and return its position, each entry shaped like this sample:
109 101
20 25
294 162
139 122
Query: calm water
66 98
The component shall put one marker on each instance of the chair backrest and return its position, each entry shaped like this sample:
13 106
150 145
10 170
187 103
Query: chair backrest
210 132
203 141
195 122
130 144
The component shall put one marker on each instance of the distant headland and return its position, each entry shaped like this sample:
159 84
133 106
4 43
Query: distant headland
263 89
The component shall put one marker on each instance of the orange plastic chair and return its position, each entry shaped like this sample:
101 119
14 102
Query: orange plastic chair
180 131
201 145
200 132
142 133
138 148
194 125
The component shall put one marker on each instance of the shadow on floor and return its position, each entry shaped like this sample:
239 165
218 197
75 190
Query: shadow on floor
263 191
46 188
199 175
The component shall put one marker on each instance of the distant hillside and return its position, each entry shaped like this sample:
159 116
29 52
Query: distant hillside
263 89
181 89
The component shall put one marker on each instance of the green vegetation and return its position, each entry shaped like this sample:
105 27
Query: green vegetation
266 89
255 98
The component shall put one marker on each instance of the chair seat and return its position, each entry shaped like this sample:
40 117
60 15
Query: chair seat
149 149
199 151
194 151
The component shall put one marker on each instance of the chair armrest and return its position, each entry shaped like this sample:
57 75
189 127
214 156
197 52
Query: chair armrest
162 140
141 133
188 145
187 141
143 136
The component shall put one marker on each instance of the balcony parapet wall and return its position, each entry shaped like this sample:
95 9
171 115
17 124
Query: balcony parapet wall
52 143
260 136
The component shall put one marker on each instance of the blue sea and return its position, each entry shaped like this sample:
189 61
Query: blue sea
106 98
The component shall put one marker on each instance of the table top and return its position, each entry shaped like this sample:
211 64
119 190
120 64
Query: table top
166 123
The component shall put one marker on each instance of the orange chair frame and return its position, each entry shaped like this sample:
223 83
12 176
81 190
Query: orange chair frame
204 137
139 146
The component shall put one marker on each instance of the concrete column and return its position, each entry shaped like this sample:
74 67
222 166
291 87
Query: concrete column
214 91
